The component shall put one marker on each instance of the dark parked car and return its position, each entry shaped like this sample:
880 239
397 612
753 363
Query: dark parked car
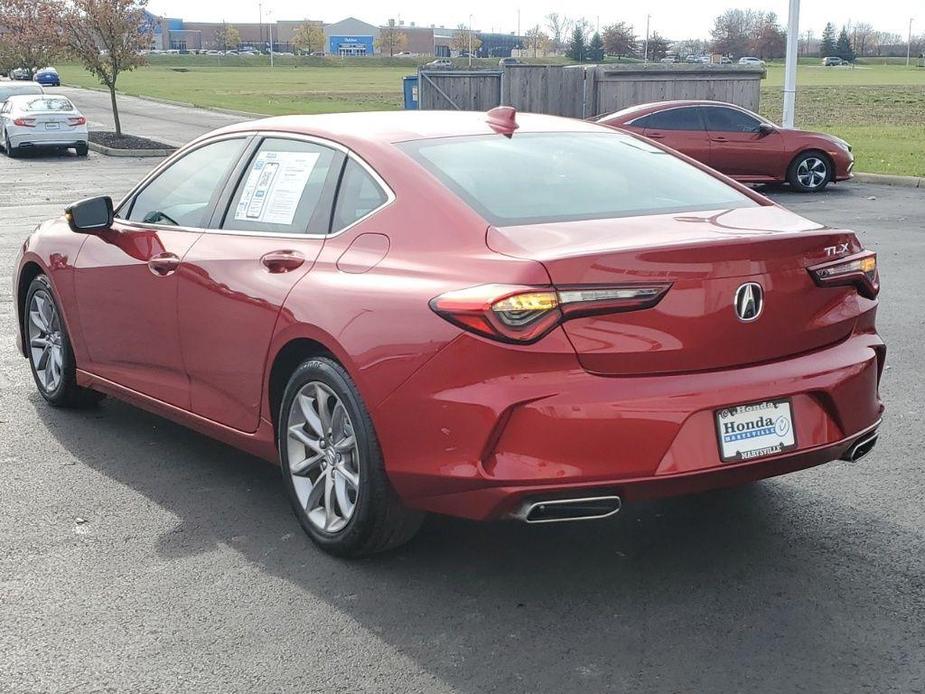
48 77
739 143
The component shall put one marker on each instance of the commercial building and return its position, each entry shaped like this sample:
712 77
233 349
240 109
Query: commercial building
348 37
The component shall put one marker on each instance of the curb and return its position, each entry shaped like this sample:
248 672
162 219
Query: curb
890 180
114 152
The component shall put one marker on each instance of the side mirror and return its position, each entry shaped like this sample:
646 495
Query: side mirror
766 129
90 215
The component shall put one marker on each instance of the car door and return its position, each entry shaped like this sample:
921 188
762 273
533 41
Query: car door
126 277
679 128
266 233
738 146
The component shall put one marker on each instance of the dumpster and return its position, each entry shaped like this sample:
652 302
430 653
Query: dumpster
410 86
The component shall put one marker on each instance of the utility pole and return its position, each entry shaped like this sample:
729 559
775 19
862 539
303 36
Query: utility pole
790 68
260 19
470 42
645 51
909 43
270 27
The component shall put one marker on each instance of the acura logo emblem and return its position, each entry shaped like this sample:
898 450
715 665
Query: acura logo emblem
749 301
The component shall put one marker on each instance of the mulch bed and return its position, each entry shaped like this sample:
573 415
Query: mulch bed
108 138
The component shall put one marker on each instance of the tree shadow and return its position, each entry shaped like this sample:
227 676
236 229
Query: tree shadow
745 589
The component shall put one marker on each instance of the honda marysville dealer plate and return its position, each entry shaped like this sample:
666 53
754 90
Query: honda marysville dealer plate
755 431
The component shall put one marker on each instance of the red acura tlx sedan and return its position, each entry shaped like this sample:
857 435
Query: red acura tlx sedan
483 315
739 143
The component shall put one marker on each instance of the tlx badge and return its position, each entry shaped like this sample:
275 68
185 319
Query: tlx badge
836 250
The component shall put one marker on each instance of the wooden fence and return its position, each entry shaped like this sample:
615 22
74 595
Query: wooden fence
585 91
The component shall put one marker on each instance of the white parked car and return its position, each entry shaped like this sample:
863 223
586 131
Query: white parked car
750 60
42 121
8 89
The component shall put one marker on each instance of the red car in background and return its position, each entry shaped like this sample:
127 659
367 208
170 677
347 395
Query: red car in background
739 143
469 314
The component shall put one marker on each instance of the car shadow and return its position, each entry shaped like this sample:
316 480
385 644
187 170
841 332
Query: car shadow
744 589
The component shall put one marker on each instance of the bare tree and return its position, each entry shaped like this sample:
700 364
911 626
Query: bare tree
863 38
391 40
559 28
107 37
465 41
28 33
537 40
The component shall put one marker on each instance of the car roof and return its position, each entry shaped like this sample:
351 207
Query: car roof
399 126
642 109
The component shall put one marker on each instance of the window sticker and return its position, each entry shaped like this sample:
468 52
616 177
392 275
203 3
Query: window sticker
275 186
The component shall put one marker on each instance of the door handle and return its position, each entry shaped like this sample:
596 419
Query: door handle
164 264
720 139
282 261
656 136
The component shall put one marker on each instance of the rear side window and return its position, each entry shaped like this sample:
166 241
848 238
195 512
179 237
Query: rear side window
534 178
182 194
730 120
358 195
672 119
286 189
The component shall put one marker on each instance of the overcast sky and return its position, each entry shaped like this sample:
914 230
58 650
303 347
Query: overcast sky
675 19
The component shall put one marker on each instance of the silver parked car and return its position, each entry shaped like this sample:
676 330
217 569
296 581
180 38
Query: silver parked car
42 121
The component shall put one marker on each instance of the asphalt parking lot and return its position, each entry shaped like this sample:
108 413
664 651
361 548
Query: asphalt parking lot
138 556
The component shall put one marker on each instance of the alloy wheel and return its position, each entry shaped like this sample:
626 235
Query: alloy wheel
812 172
46 341
323 457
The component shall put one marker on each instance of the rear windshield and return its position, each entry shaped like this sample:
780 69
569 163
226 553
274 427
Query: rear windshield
51 103
535 178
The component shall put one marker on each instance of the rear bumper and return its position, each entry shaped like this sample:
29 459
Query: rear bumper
48 138
478 448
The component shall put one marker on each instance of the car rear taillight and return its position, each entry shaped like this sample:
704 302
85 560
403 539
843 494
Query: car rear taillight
25 122
859 270
76 120
525 314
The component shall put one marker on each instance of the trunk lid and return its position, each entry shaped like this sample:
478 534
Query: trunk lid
706 257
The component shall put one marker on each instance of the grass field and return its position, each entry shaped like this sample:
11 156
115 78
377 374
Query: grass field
879 109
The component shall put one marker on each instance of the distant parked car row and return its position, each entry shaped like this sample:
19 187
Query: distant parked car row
47 76
708 59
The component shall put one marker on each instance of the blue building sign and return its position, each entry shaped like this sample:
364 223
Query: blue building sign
350 45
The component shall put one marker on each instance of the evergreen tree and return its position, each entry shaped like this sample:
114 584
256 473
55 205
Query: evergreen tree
596 49
843 47
827 45
577 49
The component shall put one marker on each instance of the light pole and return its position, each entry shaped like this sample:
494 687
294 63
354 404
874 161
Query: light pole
909 43
645 50
270 27
470 42
260 19
790 68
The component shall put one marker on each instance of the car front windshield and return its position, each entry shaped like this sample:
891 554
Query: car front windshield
535 178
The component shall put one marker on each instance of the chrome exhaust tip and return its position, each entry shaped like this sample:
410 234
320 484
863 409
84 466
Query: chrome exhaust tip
563 510
861 447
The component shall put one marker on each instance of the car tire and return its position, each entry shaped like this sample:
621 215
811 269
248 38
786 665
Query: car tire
51 357
82 149
332 465
11 151
810 172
